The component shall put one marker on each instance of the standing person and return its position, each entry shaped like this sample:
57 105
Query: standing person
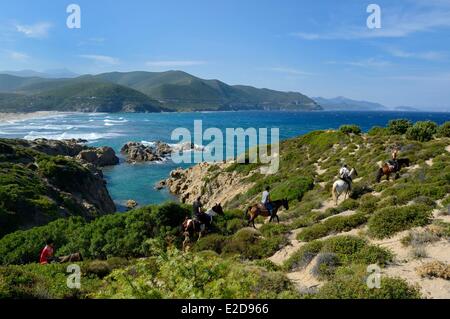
47 253
265 200
344 174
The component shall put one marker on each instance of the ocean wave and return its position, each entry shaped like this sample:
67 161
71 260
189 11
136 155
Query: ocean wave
85 136
178 146
115 121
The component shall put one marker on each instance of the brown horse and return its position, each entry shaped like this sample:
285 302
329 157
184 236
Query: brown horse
191 226
259 210
387 170
70 258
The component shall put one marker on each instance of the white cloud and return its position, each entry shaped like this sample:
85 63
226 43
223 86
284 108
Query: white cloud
18 56
290 71
38 30
174 63
365 63
396 23
104 59
428 55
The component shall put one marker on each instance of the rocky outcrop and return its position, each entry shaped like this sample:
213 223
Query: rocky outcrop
138 152
158 151
45 187
100 156
212 182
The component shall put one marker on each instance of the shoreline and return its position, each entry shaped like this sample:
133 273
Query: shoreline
17 117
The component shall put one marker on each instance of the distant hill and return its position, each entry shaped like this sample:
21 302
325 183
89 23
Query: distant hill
141 91
406 109
49 74
36 94
344 104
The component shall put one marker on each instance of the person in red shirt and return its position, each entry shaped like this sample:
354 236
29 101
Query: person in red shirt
47 253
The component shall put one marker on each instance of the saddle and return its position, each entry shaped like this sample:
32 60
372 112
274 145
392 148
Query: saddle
262 207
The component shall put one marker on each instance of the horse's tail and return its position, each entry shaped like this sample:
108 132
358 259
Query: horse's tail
379 174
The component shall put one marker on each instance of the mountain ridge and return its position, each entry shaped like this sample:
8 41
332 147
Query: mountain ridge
161 91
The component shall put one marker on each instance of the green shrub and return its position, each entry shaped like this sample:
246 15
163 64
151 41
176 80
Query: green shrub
399 127
422 131
119 235
214 242
390 220
293 188
350 283
177 275
302 257
350 129
325 265
378 131
444 130
332 225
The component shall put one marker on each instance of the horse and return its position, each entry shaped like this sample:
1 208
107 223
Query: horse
260 210
190 226
70 258
387 169
341 187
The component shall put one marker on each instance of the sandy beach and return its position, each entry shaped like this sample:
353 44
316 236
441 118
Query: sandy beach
13 117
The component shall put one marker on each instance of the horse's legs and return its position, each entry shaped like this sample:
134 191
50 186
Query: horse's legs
254 224
278 219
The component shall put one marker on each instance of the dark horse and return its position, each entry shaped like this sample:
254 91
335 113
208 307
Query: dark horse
70 258
387 170
259 210
191 226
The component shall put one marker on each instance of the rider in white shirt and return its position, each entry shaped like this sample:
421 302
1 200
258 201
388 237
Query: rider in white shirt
344 174
266 200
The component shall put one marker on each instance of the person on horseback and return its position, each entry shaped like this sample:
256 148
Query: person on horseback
198 213
266 200
344 174
47 253
394 161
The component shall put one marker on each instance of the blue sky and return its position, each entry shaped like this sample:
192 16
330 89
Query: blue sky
319 48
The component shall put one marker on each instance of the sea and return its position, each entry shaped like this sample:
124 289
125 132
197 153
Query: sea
136 181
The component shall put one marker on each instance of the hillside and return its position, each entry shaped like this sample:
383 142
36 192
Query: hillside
344 104
40 181
140 92
317 251
30 95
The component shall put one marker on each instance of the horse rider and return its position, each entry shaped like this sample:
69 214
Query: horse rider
394 161
266 200
198 213
47 253
344 174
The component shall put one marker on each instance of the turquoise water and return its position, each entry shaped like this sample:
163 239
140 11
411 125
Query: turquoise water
127 181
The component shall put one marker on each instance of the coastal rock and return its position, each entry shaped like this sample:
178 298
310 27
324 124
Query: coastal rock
58 186
71 147
131 204
100 156
160 185
212 182
138 152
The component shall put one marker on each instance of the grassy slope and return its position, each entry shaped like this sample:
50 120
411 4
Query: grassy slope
36 188
343 256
